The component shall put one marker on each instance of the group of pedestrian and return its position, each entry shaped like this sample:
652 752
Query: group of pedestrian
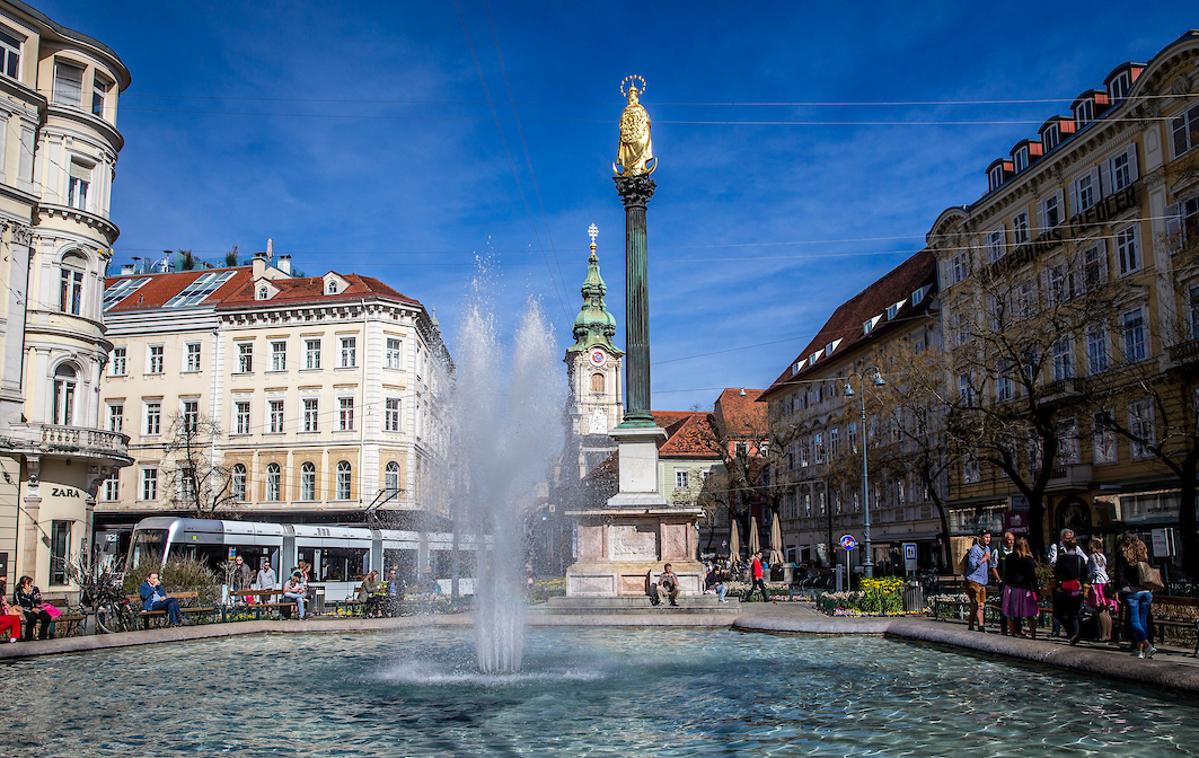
27 609
1083 594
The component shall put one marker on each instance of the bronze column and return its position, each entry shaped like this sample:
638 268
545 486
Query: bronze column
636 191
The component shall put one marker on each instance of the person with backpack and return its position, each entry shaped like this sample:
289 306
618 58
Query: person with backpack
1069 573
1138 579
977 568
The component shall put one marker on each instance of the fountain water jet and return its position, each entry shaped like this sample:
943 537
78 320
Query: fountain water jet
507 407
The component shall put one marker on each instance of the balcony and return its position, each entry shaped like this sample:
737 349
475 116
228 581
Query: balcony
1063 391
1068 478
1184 354
71 441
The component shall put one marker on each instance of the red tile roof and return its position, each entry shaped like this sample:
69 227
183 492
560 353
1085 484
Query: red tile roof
689 434
238 292
741 416
846 322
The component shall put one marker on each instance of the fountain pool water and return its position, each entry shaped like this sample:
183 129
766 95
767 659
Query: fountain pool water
507 409
663 692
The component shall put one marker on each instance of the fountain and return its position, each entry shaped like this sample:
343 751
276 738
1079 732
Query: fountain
507 408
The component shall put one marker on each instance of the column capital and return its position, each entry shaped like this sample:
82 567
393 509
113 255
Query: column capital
635 190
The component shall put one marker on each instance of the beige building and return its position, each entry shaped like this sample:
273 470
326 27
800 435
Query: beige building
325 396
58 152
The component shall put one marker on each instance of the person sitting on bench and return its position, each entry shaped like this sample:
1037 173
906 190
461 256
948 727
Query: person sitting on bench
154 598
669 583
295 591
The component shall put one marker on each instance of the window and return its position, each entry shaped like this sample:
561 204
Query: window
349 352
112 489
100 89
190 415
275 413
307 481
60 550
394 352
345 414
391 415
79 181
237 483
995 177
63 411
1126 250
149 490
153 417
1193 311
274 478
70 286
893 310
1094 265
1052 136
1005 387
1020 160
1121 170
192 359
1185 130
1067 441
597 383
834 442
1063 359
245 357
331 287
1182 223
851 436
917 299
116 417
960 267
196 292
391 477
121 290
1103 438
68 84
1140 428
1056 291
1097 356
1118 87
803 451
1086 192
818 447
995 249
10 54
154 359
118 366
970 472
1133 323
680 479
241 417
343 480
965 390
1020 229
312 353
1084 113
311 415
1051 211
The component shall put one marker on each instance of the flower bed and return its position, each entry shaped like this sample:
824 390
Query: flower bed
877 597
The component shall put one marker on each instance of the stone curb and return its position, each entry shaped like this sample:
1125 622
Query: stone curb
812 625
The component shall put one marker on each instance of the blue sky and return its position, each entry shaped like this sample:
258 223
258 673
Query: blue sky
400 139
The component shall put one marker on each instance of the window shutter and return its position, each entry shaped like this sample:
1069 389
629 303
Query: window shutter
1074 197
1132 162
68 84
1041 225
1106 186
1103 260
1095 183
1061 205
1174 227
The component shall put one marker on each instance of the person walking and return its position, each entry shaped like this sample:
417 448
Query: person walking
1137 598
1020 589
1099 597
29 599
978 569
266 579
1069 572
757 574
1007 546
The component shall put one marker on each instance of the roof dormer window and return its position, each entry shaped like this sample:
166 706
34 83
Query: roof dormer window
1020 159
331 287
995 177
813 358
1118 87
264 292
893 310
1051 136
918 295
869 324
1084 112
830 347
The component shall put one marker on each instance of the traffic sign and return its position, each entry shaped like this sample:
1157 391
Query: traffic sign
848 542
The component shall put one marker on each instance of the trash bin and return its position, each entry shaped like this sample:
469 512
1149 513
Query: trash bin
318 601
913 597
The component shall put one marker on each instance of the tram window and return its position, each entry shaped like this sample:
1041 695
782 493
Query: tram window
342 564
441 563
146 543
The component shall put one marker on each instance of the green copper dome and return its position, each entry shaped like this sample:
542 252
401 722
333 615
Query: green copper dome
595 325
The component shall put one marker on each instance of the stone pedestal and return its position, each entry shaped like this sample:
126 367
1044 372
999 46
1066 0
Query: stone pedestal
624 545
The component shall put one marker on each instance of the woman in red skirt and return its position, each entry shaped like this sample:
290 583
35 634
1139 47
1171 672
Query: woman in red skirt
1019 591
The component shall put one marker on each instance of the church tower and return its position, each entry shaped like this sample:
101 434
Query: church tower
593 365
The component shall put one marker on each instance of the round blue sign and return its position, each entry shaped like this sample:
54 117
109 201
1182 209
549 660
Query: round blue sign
848 542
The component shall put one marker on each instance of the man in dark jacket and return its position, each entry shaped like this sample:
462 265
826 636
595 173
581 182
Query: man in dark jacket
1069 573
154 598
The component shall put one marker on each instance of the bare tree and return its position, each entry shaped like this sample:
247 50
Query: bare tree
197 481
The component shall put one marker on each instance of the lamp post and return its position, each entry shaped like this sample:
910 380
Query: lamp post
877 381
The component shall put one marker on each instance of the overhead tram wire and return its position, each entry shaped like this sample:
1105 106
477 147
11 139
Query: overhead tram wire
495 117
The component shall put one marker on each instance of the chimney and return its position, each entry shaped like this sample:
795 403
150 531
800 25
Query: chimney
284 264
128 269
258 265
270 249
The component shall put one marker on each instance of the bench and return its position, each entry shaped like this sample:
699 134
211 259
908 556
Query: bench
184 610
1174 621
264 602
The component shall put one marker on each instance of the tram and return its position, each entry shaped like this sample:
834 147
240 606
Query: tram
339 555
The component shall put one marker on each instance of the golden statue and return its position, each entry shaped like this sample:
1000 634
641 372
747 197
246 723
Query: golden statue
635 156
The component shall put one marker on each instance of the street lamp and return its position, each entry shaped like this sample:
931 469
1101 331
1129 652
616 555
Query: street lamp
877 381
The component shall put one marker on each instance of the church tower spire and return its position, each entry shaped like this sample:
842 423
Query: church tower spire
595 326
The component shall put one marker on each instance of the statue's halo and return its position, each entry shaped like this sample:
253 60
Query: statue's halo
628 79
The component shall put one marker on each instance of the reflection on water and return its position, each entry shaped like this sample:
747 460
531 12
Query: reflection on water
595 692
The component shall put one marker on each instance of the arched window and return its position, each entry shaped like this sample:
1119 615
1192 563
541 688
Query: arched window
64 395
343 480
70 283
237 483
273 483
307 481
331 287
263 293
597 382
391 477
